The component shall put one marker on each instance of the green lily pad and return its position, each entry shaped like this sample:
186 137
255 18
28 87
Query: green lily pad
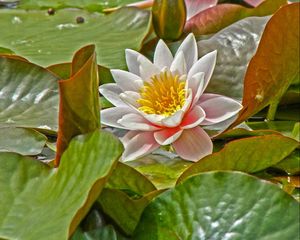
91 5
21 140
221 205
54 201
29 95
47 40
248 155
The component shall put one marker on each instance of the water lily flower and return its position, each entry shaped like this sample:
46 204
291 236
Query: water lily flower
163 102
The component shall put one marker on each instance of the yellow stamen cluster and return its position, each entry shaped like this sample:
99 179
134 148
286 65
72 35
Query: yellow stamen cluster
163 95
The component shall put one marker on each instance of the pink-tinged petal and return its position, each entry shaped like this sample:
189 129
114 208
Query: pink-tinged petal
196 84
111 116
131 98
193 118
128 136
167 136
140 145
205 64
178 66
190 50
173 120
134 121
127 81
193 144
147 68
193 7
111 92
254 3
162 55
218 108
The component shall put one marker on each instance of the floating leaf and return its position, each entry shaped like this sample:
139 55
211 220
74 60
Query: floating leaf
54 201
275 64
91 5
40 43
21 140
216 18
79 110
241 132
236 45
248 155
28 95
221 205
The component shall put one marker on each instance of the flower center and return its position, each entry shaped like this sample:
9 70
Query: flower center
163 95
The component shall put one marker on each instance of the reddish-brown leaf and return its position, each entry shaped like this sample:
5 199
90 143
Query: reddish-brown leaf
275 64
79 110
218 17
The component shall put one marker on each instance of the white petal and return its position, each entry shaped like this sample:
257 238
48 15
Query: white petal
147 68
218 108
140 145
127 81
193 7
111 92
131 98
162 55
178 65
196 84
193 144
133 121
193 118
111 116
205 64
132 62
190 50
167 136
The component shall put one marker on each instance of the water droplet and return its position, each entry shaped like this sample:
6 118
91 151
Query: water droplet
16 20
66 26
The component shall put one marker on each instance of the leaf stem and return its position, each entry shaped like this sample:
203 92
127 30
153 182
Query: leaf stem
272 111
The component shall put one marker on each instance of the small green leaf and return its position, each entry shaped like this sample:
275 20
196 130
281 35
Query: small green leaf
291 164
21 140
54 201
221 205
124 210
125 177
248 155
